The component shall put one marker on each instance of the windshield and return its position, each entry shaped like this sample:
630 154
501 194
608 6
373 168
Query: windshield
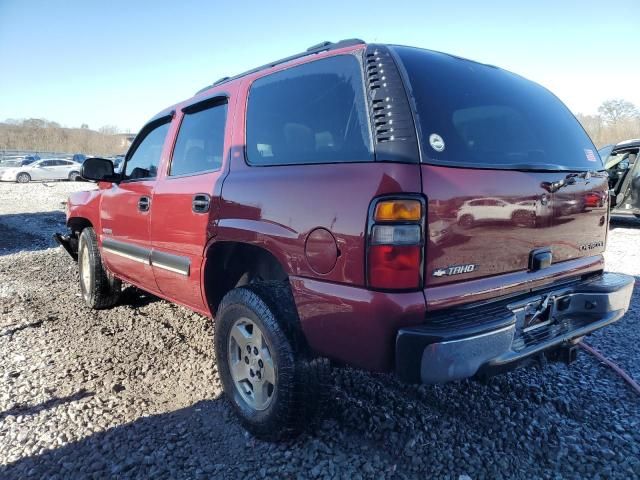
470 114
604 153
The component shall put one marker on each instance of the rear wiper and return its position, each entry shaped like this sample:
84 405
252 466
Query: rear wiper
540 167
568 180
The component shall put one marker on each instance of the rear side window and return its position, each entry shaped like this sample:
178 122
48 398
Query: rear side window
144 161
478 115
200 143
311 113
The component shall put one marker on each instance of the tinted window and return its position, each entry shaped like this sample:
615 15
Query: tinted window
488 117
312 113
200 142
47 163
145 159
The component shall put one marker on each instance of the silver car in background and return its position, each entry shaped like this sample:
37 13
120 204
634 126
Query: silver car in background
45 169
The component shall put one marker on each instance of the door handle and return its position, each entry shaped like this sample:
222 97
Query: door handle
144 203
201 203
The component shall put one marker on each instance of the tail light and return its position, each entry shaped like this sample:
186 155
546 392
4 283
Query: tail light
395 243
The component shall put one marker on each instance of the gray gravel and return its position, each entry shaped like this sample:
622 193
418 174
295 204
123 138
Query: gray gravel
133 392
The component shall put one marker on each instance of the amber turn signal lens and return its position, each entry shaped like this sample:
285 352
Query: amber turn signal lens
390 210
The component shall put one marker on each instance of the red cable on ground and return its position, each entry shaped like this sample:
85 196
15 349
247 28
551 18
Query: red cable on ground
608 362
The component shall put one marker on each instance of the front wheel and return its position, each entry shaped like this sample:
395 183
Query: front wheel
23 178
275 390
466 221
99 288
73 176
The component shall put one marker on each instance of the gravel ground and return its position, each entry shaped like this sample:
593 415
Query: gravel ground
133 392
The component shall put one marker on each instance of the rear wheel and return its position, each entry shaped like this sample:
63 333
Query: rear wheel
524 218
275 388
73 176
99 288
23 178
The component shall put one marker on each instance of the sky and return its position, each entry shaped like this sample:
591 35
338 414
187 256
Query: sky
119 62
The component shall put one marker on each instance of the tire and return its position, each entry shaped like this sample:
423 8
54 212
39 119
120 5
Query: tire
23 177
298 391
74 176
466 221
99 288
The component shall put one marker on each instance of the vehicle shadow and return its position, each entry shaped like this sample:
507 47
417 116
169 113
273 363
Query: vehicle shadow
202 437
26 410
135 298
28 232
623 221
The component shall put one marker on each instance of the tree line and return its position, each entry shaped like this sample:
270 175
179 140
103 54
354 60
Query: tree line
35 134
616 120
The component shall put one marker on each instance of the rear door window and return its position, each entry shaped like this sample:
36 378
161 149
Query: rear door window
200 143
311 113
471 114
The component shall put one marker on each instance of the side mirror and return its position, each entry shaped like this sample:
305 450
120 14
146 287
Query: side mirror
98 169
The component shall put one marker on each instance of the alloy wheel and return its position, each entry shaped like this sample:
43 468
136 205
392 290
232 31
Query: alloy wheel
251 364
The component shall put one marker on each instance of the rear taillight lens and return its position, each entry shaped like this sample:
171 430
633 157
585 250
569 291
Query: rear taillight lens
395 244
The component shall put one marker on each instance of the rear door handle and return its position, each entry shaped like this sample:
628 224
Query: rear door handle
201 203
144 203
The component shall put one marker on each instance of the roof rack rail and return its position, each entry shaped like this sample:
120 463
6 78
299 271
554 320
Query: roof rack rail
320 47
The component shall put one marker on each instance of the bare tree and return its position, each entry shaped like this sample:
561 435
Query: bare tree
617 109
43 135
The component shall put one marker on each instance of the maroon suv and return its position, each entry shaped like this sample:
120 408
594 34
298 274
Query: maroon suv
385 207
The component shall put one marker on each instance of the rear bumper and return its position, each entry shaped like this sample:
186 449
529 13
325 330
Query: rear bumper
485 339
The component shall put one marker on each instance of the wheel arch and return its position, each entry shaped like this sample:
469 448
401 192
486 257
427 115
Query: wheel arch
231 263
77 224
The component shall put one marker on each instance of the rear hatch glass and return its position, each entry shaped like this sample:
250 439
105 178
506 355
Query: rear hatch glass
476 115
507 171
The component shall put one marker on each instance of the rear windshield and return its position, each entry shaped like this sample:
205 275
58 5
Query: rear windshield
477 115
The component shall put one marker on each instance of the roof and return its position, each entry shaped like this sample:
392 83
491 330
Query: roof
634 142
318 48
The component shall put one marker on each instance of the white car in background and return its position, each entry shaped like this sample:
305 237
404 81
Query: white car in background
45 169
489 209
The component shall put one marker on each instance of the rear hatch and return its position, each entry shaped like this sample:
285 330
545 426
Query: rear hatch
506 168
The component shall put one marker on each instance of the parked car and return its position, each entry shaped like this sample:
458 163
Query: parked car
117 163
46 169
290 203
623 167
79 157
29 159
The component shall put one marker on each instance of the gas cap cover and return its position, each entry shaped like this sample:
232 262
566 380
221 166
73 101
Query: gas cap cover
321 250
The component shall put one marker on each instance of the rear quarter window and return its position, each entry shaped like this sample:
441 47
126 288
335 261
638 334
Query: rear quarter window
311 113
471 114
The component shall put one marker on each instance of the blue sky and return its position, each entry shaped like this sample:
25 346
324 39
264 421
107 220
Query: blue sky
119 62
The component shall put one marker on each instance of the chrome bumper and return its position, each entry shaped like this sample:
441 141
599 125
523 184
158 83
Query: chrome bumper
485 339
